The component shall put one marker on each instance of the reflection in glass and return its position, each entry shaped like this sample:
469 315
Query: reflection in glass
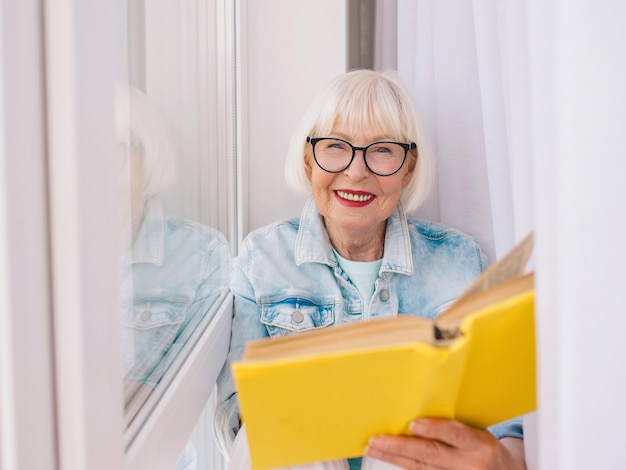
181 55
171 270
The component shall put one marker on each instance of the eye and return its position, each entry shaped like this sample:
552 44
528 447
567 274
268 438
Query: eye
381 149
335 146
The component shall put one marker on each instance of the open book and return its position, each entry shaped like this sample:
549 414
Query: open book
321 395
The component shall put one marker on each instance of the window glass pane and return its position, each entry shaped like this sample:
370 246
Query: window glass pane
175 158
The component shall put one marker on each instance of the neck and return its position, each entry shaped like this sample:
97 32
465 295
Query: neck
359 247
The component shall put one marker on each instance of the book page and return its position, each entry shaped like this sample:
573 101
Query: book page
361 335
447 325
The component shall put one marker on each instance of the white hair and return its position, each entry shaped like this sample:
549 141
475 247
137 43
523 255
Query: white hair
139 124
360 98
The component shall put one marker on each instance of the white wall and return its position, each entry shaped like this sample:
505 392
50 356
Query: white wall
293 49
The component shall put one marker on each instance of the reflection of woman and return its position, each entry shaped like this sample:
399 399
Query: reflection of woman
171 270
362 152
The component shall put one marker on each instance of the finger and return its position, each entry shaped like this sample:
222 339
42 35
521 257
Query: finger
397 460
420 453
451 432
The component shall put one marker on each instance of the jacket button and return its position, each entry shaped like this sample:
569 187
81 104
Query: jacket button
297 316
146 314
384 295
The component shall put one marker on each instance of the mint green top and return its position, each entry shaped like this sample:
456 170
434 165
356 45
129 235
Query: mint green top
363 275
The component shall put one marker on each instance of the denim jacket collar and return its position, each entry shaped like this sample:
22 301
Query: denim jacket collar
313 244
149 245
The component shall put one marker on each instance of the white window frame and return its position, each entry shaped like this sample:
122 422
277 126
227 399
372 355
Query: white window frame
60 364
159 443
27 410
80 60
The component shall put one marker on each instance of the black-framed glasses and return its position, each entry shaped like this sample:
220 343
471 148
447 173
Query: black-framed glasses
381 158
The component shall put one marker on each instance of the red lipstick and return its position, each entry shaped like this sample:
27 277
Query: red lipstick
353 198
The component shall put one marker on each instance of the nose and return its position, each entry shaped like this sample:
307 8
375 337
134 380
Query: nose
357 169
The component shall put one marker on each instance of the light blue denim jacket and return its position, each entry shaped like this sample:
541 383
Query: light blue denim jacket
169 281
290 266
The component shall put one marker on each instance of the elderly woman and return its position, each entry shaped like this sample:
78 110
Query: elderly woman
171 270
361 151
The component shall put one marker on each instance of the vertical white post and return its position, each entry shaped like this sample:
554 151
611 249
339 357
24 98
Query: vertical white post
27 414
80 70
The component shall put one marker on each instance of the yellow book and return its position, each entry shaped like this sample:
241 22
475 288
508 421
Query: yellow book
321 395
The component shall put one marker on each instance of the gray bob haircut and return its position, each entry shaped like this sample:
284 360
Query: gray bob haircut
359 98
138 124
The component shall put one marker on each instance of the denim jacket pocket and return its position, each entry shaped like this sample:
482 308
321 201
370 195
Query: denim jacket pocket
147 313
296 315
151 327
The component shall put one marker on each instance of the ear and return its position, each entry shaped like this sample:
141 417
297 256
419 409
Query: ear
406 179
307 169
412 167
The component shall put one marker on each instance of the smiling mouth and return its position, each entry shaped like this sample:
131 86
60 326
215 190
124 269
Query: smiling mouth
354 197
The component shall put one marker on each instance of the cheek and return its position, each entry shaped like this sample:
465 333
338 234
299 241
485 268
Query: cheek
391 193
320 179
394 186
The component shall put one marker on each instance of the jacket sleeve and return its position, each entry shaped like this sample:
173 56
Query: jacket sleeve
512 428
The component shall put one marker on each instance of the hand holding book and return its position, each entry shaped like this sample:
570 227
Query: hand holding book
447 444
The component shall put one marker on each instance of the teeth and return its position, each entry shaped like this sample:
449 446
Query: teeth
354 197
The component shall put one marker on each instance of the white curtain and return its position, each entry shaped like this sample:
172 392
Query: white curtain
467 61
525 104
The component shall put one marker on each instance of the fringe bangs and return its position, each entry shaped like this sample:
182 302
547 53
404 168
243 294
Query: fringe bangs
369 103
